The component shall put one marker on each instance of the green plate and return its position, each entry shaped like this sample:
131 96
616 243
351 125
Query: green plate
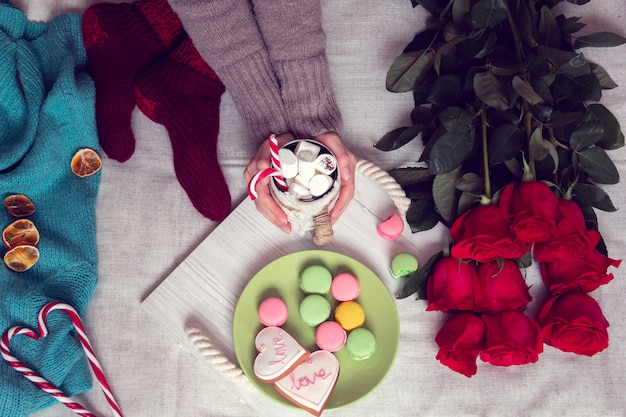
280 278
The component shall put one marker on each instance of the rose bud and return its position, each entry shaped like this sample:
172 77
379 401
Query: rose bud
482 234
451 285
501 287
530 206
577 274
512 338
570 237
460 340
574 322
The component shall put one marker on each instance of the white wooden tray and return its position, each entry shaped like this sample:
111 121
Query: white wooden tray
203 290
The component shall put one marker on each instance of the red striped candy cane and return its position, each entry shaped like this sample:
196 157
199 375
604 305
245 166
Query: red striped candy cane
43 383
276 162
267 172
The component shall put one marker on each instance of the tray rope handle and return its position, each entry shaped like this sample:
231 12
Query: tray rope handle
387 182
214 357
201 341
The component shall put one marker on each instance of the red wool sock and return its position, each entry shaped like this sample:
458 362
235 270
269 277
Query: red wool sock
183 93
120 40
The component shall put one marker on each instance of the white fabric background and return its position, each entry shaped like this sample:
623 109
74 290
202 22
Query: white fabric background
146 227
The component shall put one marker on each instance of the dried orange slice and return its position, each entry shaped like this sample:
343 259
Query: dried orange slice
20 232
86 162
21 258
18 205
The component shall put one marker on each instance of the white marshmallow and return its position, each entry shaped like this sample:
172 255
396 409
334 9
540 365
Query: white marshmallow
299 191
306 164
288 163
303 181
305 145
326 164
319 184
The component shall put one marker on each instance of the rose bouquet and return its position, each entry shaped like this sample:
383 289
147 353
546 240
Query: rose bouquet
515 150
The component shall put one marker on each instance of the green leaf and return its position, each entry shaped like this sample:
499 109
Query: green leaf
445 195
460 11
508 70
556 56
398 137
444 49
598 165
562 119
412 175
422 41
586 135
526 25
575 67
446 90
432 6
548 32
467 200
505 143
589 194
569 24
408 69
599 40
488 13
491 90
471 182
613 137
449 151
525 90
540 149
422 115
455 119
606 82
421 215
582 88
416 283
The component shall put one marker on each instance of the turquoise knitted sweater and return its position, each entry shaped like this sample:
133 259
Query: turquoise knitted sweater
46 115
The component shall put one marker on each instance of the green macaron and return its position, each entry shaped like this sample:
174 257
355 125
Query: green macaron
361 344
315 279
314 309
403 264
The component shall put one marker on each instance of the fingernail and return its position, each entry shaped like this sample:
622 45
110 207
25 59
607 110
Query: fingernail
286 228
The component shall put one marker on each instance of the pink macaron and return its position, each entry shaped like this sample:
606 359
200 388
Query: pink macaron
273 312
345 287
391 228
330 336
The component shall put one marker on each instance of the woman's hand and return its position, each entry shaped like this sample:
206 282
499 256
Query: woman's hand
265 204
347 167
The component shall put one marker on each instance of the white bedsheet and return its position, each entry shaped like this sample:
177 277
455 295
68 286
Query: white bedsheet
146 228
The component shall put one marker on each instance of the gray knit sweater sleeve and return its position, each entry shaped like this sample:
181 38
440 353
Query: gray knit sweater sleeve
271 58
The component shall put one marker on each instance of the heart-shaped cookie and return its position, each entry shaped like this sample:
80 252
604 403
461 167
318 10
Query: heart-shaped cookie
310 385
43 383
279 354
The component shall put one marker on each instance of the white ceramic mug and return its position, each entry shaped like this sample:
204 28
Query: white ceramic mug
309 213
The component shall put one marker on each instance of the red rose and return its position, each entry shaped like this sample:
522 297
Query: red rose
570 238
482 234
574 322
531 208
501 287
577 274
511 338
460 340
451 285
